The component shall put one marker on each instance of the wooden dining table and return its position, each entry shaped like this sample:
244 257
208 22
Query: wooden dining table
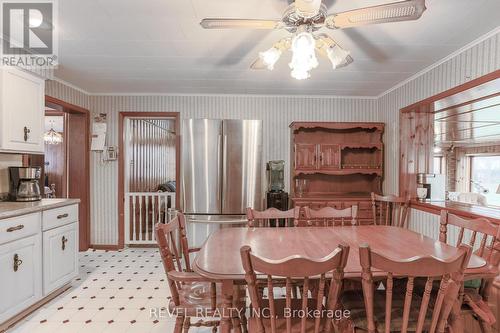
219 258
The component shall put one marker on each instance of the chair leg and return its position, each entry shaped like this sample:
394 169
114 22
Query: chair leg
187 324
179 322
244 323
485 327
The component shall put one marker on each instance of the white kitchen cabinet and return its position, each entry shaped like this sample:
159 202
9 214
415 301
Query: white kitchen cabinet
60 256
22 100
20 275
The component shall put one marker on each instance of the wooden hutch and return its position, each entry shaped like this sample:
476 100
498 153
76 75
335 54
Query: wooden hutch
336 164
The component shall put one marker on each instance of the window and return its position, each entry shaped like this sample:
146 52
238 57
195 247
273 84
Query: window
439 165
485 177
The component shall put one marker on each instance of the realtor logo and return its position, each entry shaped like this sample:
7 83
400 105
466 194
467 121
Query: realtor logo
28 33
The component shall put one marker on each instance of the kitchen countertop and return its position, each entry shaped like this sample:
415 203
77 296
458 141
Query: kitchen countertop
459 208
12 209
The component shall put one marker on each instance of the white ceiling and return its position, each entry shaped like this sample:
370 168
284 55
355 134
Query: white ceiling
157 46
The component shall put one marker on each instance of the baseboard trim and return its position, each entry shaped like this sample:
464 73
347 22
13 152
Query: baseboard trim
143 245
106 247
23 314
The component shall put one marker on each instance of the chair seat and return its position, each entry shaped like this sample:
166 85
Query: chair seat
280 305
353 301
195 298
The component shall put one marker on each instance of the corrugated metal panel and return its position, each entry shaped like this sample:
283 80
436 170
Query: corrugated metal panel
150 154
277 113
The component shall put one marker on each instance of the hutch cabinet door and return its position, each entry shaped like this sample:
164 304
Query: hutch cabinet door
329 157
305 156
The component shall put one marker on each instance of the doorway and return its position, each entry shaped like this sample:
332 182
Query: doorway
148 173
66 161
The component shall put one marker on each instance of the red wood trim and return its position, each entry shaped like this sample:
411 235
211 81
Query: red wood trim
483 79
105 247
66 107
436 210
121 163
296 125
59 104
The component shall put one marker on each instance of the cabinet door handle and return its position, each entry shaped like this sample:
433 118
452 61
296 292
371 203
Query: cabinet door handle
62 216
17 262
26 132
64 240
17 227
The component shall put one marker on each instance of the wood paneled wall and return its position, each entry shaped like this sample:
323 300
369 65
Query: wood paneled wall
416 147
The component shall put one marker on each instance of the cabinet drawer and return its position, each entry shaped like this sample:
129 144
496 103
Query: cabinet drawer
59 216
60 256
21 275
19 227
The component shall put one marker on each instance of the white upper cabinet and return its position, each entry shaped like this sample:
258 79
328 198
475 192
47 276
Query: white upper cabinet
22 100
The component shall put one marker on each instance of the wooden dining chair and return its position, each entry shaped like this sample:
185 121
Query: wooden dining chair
405 310
273 217
192 294
276 315
484 237
390 210
329 216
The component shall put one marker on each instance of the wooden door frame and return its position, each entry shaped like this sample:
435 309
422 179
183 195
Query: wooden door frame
52 113
66 107
121 162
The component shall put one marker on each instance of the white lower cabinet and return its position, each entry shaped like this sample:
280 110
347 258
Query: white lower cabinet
38 255
20 275
60 256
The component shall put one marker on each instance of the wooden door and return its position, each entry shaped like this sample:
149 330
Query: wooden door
329 157
305 156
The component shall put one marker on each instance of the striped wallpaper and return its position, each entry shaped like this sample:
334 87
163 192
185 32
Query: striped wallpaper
277 112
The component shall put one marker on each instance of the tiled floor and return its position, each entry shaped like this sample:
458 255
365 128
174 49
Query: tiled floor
114 292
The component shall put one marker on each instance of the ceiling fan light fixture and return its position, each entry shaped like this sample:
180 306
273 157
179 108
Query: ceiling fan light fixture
337 55
270 57
300 74
304 56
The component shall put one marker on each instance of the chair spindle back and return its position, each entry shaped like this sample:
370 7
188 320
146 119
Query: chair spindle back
389 210
273 217
479 229
450 272
304 272
329 216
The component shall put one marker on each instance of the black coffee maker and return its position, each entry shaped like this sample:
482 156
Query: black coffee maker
24 183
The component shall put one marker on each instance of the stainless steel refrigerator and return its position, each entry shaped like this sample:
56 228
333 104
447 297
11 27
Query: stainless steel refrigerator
221 169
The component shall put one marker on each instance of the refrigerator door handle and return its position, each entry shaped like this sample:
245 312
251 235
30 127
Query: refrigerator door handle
224 166
220 163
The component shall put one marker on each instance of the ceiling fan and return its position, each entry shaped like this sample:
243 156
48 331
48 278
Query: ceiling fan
304 18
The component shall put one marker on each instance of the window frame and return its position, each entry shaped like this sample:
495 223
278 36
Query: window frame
469 164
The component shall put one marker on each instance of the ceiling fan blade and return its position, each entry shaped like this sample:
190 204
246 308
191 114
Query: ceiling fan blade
226 23
307 8
392 12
